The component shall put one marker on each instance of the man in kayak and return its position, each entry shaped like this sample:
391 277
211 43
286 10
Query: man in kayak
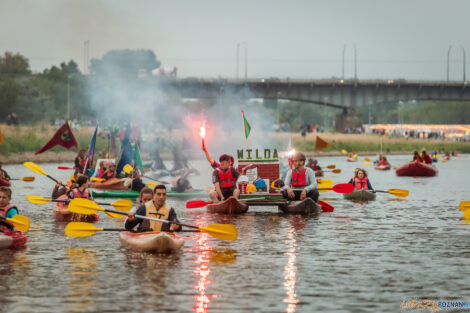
300 182
157 208
425 157
361 181
6 209
224 179
3 173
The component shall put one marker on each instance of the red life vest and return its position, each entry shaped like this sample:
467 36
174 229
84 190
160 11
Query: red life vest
360 183
100 173
383 162
299 179
3 212
225 178
78 194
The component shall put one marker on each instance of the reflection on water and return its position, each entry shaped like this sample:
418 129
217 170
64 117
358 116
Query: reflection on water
219 256
82 282
202 271
290 272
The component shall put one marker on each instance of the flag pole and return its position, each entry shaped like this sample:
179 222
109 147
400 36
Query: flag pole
244 128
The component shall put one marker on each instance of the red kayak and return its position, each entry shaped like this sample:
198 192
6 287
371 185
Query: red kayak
4 182
416 169
13 239
228 206
62 214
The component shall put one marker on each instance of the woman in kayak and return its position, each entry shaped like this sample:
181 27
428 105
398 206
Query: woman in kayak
351 181
6 209
361 181
384 161
81 189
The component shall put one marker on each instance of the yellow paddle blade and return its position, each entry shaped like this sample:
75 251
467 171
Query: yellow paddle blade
466 214
324 185
113 215
336 171
37 199
35 168
122 205
438 156
221 231
128 169
344 151
20 222
366 164
464 205
399 192
97 179
151 184
444 161
27 178
395 167
84 206
80 229
367 159
332 166
324 181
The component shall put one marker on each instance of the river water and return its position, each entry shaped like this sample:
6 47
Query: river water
360 258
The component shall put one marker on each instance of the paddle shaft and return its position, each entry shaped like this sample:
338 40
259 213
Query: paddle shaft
161 181
152 219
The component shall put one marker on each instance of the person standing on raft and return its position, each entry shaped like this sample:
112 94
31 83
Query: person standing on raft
157 208
300 181
360 181
6 209
224 179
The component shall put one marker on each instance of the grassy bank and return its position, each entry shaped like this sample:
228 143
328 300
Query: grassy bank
367 144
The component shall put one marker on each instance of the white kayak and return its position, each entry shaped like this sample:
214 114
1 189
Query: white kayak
159 242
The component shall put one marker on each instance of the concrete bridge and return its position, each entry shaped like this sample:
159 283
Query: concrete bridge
341 94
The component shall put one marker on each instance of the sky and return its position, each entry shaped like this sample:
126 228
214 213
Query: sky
406 39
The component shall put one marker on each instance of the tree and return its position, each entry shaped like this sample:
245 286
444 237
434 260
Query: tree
125 63
14 64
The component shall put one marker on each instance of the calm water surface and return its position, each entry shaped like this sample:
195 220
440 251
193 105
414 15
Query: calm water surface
360 258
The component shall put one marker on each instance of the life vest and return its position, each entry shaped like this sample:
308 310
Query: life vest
78 194
3 212
383 162
162 213
100 173
360 183
226 178
299 179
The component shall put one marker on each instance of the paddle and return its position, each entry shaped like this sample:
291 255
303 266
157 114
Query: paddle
220 231
366 164
325 207
324 181
344 151
35 168
97 179
396 192
128 169
367 159
464 205
336 171
340 188
331 166
27 178
124 205
65 168
20 222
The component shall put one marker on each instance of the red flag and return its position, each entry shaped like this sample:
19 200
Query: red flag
320 144
63 137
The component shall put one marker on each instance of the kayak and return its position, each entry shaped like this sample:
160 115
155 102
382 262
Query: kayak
110 184
62 214
360 195
159 242
382 167
416 169
131 194
307 206
4 182
229 206
14 239
352 159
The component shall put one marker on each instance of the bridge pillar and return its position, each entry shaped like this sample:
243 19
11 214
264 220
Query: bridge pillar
348 120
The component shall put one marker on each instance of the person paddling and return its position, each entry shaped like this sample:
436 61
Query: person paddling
157 208
300 181
416 157
7 210
3 173
224 179
81 189
181 183
360 181
384 161
425 157
59 190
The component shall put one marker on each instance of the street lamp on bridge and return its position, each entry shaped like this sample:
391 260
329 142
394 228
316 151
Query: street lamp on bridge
355 61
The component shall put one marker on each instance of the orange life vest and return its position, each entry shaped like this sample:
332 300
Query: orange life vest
78 194
360 183
299 179
225 178
162 213
3 212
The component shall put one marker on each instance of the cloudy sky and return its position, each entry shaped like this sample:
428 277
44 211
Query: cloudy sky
297 39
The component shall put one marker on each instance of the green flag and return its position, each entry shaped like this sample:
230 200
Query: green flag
246 126
137 159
